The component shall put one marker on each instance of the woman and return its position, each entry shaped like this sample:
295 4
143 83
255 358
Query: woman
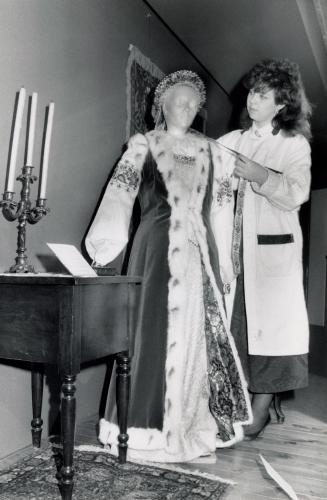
184 357
269 321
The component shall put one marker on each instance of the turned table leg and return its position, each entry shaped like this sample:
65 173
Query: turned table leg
68 414
37 395
123 388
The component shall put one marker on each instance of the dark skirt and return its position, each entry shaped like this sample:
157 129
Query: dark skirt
265 374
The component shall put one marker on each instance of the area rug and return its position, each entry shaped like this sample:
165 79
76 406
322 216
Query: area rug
99 476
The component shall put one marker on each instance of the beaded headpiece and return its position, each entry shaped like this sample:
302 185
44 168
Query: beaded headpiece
181 77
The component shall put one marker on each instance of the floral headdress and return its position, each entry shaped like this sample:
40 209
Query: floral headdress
181 77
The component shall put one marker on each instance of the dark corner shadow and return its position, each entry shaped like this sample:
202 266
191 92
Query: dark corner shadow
238 97
53 382
110 361
319 155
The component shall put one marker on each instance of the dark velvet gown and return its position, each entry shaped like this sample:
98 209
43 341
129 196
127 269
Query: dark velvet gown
187 385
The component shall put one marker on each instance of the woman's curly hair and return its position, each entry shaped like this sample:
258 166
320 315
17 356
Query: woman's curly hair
282 76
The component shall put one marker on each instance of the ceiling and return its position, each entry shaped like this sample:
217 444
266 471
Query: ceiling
229 36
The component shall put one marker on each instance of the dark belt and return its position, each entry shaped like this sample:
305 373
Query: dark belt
275 239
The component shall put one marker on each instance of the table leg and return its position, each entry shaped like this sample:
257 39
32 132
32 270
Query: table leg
68 414
37 378
123 388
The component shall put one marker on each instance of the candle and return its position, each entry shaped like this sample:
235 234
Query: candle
31 130
15 138
45 157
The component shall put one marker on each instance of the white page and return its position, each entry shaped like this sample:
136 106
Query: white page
72 259
279 479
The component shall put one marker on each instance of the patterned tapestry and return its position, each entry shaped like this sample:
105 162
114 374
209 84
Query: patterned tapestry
142 78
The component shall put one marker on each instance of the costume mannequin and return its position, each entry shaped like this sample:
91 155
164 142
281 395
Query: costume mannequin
184 358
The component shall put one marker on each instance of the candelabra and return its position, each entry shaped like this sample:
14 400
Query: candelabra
24 213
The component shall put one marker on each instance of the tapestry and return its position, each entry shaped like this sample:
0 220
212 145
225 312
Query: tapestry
100 476
142 78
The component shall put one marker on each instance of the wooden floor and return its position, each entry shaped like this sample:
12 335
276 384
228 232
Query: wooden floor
297 450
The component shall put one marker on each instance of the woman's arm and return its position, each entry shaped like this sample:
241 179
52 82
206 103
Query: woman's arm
287 190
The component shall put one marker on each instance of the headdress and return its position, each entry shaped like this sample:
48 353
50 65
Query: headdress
181 77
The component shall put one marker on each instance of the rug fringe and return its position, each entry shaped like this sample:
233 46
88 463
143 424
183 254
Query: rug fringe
196 472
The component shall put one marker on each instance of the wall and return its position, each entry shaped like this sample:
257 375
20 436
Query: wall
75 54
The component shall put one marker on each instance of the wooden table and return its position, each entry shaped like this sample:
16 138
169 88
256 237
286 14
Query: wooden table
65 320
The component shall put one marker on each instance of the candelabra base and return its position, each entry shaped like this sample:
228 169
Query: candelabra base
22 268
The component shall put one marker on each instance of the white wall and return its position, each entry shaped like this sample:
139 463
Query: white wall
317 258
74 53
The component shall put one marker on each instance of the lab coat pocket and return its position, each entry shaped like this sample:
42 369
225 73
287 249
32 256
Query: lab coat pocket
277 254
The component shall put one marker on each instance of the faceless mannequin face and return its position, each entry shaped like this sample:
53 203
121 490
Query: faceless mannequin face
262 107
180 108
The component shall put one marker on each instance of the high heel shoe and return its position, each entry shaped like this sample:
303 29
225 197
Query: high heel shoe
250 436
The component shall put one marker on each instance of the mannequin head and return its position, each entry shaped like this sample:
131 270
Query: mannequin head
178 97
180 106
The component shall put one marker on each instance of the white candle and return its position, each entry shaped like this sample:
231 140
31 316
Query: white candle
15 140
45 158
31 130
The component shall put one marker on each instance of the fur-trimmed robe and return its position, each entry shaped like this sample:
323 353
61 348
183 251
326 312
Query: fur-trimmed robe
184 359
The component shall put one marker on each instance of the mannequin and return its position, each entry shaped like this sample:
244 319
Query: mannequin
187 381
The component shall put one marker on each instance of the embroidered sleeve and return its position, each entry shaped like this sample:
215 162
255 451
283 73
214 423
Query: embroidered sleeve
108 234
126 176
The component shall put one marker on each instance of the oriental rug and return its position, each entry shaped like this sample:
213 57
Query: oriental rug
99 476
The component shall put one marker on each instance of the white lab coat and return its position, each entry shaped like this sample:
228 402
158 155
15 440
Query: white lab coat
275 304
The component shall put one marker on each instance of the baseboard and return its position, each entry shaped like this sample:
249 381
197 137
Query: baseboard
8 460
318 350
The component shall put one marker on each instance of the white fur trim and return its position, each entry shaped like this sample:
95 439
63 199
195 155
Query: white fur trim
147 439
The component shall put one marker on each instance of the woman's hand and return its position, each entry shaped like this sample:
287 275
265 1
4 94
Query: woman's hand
250 170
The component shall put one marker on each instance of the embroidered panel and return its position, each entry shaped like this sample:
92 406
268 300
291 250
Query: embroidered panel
225 191
125 176
237 229
227 400
183 159
142 78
